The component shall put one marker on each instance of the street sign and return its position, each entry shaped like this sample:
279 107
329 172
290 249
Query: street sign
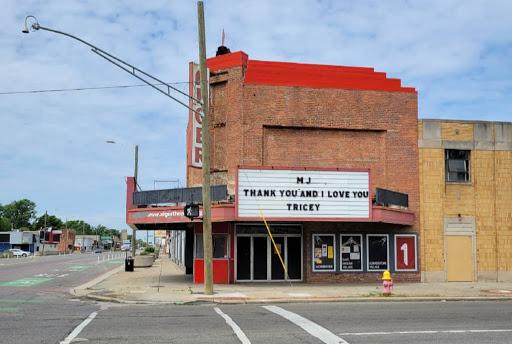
191 211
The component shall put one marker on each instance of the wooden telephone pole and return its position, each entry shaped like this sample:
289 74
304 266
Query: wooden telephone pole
207 220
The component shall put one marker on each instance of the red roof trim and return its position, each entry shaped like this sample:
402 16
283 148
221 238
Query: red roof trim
307 75
238 58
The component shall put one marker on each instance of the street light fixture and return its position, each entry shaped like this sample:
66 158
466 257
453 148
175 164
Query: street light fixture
118 62
206 141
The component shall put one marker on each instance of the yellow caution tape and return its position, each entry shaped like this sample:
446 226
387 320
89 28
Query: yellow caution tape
273 242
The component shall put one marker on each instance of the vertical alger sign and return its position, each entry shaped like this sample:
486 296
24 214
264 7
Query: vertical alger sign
194 132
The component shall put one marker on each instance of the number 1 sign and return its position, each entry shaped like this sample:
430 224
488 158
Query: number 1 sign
406 258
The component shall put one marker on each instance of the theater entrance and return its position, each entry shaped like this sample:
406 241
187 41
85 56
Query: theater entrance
257 258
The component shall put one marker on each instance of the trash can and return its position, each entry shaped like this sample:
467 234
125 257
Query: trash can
128 264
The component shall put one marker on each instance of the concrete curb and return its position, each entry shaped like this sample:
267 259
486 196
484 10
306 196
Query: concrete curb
73 291
306 300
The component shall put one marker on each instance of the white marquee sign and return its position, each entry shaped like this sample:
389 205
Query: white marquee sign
297 194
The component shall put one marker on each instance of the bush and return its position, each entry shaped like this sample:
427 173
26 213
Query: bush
150 249
144 253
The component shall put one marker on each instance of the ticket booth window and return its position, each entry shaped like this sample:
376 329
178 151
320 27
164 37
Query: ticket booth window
220 247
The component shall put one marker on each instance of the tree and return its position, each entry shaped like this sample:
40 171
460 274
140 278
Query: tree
114 232
101 230
5 225
20 213
51 221
81 227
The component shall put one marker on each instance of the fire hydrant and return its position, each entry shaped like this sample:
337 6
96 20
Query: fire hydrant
387 283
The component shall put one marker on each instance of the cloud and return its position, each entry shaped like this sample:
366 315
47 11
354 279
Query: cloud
52 149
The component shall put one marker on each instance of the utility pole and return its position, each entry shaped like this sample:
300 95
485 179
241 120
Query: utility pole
83 236
207 220
136 180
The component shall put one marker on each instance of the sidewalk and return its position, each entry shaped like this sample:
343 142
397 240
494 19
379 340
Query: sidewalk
165 282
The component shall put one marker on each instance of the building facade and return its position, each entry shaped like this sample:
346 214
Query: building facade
466 200
320 169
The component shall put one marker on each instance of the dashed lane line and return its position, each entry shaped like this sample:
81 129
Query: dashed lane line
312 328
238 331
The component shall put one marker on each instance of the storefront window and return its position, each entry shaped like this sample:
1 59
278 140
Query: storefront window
351 252
219 242
324 247
378 252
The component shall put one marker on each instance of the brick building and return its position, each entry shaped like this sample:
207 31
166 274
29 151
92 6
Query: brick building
466 200
328 154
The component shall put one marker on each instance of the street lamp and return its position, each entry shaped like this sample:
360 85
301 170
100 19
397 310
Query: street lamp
136 147
206 138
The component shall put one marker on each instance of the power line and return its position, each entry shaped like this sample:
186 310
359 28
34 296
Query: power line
87 88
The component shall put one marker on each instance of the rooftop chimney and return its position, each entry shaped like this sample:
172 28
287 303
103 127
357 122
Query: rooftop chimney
222 50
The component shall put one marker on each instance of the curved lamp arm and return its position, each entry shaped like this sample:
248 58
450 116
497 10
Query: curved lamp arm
35 26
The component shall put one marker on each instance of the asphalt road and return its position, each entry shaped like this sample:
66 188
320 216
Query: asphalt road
45 312
35 303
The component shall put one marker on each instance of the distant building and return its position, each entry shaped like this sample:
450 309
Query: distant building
23 240
87 243
124 235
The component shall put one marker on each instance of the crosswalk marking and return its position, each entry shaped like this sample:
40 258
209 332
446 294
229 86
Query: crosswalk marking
79 329
314 329
419 332
238 331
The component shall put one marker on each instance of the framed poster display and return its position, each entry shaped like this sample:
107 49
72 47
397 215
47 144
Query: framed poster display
351 252
378 252
324 246
406 257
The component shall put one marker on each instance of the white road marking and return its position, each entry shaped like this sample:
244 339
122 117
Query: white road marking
315 330
418 332
239 333
79 328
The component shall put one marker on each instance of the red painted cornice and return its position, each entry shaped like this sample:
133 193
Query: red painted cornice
307 75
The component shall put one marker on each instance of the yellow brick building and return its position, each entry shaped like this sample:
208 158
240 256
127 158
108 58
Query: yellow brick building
466 200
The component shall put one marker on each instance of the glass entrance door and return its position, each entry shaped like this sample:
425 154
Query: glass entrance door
257 258
260 258
276 265
243 258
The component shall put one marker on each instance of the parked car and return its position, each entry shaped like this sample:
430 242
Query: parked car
17 252
98 250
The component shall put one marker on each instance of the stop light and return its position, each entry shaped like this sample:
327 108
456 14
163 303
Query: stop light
191 211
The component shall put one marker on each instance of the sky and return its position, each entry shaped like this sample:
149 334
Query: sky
53 150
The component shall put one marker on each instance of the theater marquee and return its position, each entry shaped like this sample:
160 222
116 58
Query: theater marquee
303 194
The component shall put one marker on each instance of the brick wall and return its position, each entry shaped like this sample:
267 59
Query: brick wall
298 126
